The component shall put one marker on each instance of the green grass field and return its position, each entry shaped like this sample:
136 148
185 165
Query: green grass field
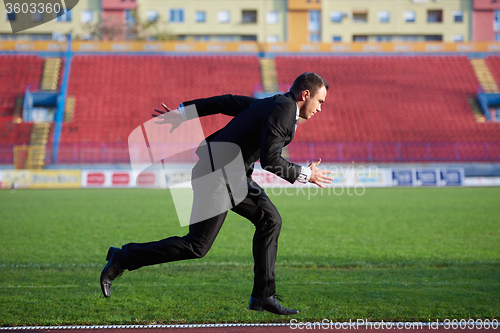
390 254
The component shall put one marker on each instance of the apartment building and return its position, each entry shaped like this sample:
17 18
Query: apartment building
297 21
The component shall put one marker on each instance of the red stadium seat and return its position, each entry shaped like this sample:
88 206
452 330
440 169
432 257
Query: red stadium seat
117 93
402 99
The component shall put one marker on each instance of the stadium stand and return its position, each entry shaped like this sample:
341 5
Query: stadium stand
401 108
116 93
392 108
16 73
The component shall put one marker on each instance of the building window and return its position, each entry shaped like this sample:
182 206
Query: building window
409 38
201 17
314 23
249 16
435 16
409 16
59 36
11 16
458 16
360 16
336 39
249 38
272 17
457 38
433 38
37 16
384 16
152 15
496 22
65 17
383 38
314 37
87 16
224 16
202 38
273 38
129 16
336 16
177 15
497 37
226 38
359 38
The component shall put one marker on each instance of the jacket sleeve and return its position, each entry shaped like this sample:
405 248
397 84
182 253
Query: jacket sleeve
229 105
276 129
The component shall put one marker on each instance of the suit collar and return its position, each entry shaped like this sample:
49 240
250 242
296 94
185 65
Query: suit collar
291 96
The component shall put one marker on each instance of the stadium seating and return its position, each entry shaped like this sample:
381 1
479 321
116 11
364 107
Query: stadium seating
382 100
117 93
379 108
16 73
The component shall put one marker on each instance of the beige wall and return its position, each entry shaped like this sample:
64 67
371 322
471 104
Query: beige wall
212 27
297 22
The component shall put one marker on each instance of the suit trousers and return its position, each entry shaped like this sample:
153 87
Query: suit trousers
256 207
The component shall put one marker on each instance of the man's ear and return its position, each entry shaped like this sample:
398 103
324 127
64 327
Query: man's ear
304 95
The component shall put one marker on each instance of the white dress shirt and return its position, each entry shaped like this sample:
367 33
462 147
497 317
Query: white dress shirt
305 172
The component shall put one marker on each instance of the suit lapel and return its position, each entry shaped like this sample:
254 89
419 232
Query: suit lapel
290 96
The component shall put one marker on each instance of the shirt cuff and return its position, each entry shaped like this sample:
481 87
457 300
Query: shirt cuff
182 111
305 174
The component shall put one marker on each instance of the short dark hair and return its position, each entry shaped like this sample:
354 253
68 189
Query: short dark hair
308 81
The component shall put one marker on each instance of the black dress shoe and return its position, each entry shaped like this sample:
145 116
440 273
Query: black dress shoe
270 304
113 269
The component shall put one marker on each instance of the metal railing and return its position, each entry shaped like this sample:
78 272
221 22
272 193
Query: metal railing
332 152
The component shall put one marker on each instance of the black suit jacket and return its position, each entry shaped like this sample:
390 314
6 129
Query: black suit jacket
260 127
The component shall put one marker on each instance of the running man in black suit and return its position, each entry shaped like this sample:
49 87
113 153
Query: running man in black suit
261 128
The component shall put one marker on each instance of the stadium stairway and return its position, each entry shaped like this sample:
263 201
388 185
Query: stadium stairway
486 80
478 114
50 75
38 144
269 75
69 111
484 76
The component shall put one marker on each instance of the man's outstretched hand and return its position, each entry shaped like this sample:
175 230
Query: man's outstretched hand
319 176
168 117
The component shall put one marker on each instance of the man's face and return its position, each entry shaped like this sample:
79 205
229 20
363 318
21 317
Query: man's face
312 104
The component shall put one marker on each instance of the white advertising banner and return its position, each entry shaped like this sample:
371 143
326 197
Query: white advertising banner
346 177
117 179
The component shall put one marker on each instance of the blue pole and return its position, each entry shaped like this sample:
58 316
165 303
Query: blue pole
61 102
